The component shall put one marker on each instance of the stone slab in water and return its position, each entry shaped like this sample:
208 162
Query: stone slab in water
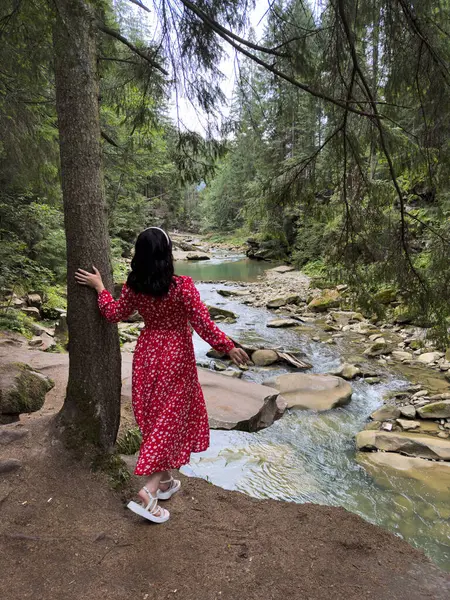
411 444
236 404
312 391
434 475
231 403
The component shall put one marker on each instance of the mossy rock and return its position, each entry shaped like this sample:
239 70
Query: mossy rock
386 295
329 299
216 312
22 390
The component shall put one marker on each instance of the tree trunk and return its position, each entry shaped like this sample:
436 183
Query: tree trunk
91 411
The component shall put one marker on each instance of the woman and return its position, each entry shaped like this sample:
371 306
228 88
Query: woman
167 398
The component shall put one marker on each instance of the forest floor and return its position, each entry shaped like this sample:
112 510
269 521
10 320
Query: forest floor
65 534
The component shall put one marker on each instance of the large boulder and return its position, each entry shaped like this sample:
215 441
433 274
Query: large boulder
386 295
427 358
411 444
435 410
328 299
22 389
377 349
381 465
312 391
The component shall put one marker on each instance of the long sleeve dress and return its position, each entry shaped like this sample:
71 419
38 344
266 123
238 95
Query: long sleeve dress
167 399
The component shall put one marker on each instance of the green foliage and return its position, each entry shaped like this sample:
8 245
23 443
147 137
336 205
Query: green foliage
130 442
14 320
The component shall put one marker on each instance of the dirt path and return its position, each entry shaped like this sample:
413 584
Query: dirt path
65 535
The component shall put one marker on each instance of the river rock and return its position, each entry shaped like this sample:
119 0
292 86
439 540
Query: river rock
282 269
385 413
348 371
411 444
429 357
198 256
215 312
407 424
228 293
329 299
22 390
400 355
435 410
312 391
279 302
233 373
377 349
434 475
408 411
264 358
242 405
283 323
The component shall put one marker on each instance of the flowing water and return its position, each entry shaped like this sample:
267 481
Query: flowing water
310 457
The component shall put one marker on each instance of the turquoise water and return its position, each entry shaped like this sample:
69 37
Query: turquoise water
310 457
231 268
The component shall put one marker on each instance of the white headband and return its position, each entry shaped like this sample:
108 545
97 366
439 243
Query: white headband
167 237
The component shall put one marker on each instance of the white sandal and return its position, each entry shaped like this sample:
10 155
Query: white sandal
152 512
174 487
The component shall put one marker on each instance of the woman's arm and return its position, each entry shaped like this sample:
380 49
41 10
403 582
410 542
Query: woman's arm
113 311
201 321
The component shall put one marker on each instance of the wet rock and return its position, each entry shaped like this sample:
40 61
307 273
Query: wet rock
411 444
348 371
385 413
372 380
215 312
434 475
22 390
329 299
9 465
435 410
198 256
279 323
264 358
229 293
312 391
283 301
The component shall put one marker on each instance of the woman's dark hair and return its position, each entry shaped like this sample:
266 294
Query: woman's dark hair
152 265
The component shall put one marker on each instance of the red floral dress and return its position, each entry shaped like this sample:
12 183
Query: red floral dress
168 401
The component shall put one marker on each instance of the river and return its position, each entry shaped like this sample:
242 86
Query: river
306 456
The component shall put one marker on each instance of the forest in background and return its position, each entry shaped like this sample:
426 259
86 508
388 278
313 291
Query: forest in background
336 149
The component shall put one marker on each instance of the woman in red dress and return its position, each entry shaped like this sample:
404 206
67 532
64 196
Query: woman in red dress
167 398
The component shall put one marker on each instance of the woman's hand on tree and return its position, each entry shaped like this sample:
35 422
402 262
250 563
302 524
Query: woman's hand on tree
239 356
93 280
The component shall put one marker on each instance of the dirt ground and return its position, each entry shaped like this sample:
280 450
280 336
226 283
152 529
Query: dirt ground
64 534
